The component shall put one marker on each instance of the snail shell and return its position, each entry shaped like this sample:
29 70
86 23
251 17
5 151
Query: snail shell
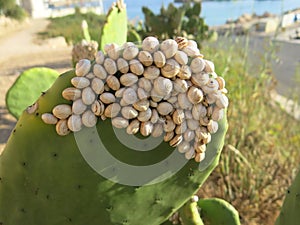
185 72
184 102
176 140
178 116
112 110
80 82
89 119
169 47
49 118
183 147
130 51
181 42
168 136
141 105
129 112
180 86
200 156
222 102
128 79
154 117
136 67
145 58
88 96
169 125
170 69
120 122
209 66
181 57
159 59
71 93
82 67
62 111
110 66
164 108
189 135
122 65
142 94
74 123
97 85
150 44
212 126
157 130
145 83
163 86
112 50
133 127
107 98
100 57
200 79
197 65
195 95
199 111
78 107
146 128
217 114
130 96
190 153
181 128
62 128
99 71
98 108
144 115
151 72
192 124
113 82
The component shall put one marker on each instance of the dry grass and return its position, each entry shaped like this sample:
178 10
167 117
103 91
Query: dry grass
260 156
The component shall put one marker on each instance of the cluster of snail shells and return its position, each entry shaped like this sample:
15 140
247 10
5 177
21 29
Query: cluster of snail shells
165 88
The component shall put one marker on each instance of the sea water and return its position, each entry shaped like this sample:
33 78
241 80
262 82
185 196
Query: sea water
214 12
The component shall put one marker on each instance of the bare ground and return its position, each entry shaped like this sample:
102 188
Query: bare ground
20 49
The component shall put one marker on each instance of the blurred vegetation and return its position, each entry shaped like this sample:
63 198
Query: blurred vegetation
70 26
10 9
261 155
182 21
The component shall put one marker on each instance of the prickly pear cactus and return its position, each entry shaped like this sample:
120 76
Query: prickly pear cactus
215 211
115 27
83 170
28 87
290 211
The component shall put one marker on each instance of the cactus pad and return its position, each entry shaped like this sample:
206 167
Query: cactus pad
289 214
115 27
217 211
28 87
45 179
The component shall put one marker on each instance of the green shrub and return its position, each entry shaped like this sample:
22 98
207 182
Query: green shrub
70 26
16 12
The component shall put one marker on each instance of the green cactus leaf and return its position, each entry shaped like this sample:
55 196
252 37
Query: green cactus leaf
289 214
115 27
50 179
28 87
216 211
189 214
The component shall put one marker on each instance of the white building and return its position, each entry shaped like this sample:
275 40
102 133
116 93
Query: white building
55 8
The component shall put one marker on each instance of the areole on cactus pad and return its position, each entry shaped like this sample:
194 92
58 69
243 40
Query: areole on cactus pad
101 173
